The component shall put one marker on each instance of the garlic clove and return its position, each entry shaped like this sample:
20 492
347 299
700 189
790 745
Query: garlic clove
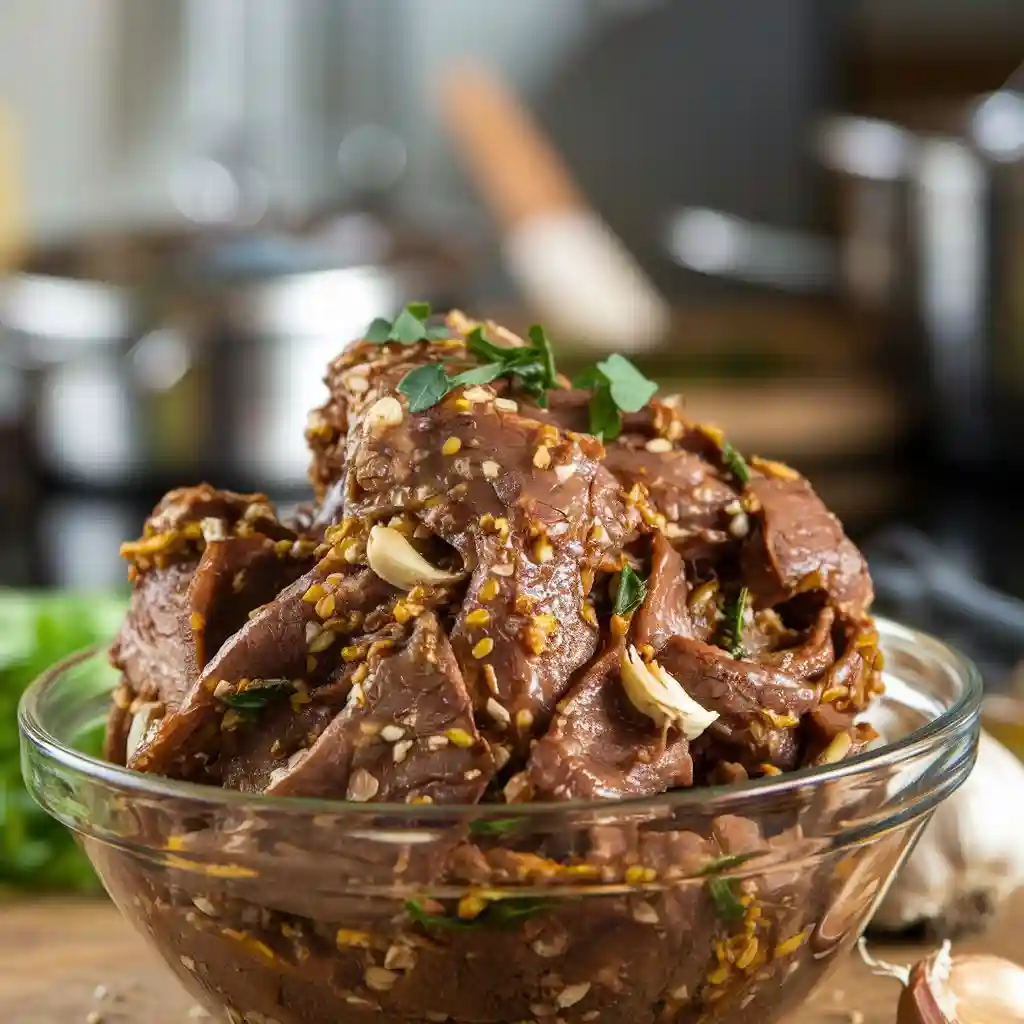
659 696
943 989
391 556
384 413
970 856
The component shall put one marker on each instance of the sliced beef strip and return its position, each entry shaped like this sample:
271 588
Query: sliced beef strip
812 657
798 544
273 644
746 695
599 747
408 734
531 511
664 612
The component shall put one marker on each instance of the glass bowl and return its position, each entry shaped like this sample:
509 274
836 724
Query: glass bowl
712 904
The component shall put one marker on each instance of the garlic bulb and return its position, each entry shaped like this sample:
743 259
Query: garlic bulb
947 989
971 855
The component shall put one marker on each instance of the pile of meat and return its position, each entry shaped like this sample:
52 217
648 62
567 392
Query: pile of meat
487 603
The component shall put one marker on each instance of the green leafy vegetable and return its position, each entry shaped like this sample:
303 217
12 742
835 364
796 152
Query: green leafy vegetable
722 891
498 914
37 630
409 327
425 386
735 463
618 387
493 826
252 700
726 863
730 634
532 365
631 593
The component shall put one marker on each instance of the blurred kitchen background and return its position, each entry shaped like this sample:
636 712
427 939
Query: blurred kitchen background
805 215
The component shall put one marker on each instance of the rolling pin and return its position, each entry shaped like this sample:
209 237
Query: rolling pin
569 266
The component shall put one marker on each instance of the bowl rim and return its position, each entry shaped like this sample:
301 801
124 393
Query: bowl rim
940 731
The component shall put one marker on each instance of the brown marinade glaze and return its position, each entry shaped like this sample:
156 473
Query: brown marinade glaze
298 660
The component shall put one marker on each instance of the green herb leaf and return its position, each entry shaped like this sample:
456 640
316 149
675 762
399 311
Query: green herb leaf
479 374
630 389
542 346
407 328
499 914
631 593
419 310
252 700
605 419
726 863
730 634
379 331
438 333
726 901
493 826
735 463
425 386
589 378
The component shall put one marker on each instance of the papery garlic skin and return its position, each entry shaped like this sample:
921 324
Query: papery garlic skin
971 855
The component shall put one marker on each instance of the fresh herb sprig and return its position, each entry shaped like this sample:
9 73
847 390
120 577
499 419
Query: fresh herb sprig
499 914
730 634
735 463
408 328
726 863
617 386
252 700
631 593
533 366
722 891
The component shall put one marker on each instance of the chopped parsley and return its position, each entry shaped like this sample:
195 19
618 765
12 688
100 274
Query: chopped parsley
618 387
735 463
254 698
730 634
725 863
505 913
533 366
631 593
723 893
409 327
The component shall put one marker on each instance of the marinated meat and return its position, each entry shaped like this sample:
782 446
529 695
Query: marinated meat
490 606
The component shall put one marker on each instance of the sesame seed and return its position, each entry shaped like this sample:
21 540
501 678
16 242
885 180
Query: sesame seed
392 733
542 457
362 786
491 678
479 617
506 405
659 445
321 642
478 394
437 742
313 630
491 469
380 979
451 446
401 750
325 606
460 738
483 647
498 713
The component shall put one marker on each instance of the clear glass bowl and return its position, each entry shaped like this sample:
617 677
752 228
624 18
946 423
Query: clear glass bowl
725 904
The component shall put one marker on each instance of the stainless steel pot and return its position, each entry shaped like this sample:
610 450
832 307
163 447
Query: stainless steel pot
205 365
932 245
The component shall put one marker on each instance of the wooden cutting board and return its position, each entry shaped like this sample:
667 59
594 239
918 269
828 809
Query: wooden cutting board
61 962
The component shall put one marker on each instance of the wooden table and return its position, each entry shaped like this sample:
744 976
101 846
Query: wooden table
56 958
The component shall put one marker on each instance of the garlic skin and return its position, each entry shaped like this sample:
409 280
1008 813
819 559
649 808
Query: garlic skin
970 856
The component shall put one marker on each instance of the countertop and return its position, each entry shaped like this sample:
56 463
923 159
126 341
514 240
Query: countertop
62 961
